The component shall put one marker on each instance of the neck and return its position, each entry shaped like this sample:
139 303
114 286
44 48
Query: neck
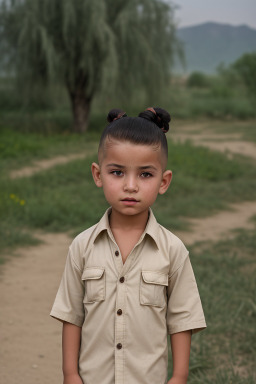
127 222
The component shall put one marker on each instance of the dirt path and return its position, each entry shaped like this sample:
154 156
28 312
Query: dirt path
30 340
228 143
221 225
41 165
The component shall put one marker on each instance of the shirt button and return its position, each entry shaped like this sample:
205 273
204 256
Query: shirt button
116 253
121 279
119 312
119 346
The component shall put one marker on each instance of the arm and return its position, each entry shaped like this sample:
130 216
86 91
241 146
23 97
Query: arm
71 336
180 343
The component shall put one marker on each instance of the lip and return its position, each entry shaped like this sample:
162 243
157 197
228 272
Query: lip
129 201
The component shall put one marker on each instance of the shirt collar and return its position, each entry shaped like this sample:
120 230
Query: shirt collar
152 227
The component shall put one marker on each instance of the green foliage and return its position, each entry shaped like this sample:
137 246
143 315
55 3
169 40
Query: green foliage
224 96
197 79
246 68
89 46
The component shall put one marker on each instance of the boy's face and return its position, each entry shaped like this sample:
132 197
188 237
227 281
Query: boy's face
131 176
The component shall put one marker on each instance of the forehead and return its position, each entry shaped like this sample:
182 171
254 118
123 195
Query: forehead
127 153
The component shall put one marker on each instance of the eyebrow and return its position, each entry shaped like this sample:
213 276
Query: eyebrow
115 165
122 166
148 167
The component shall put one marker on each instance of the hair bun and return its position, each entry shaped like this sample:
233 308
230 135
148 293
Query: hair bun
115 114
157 115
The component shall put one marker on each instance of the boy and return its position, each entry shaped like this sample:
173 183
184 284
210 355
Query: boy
128 281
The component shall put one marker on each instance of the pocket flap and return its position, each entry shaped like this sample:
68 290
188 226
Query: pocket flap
92 273
153 277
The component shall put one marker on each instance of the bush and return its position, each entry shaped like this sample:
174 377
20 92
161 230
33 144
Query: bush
197 79
246 69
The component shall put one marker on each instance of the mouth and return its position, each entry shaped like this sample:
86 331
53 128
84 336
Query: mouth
129 201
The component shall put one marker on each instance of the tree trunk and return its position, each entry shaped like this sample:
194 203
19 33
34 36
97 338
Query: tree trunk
81 105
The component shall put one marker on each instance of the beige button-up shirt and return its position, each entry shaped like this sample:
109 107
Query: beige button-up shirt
127 310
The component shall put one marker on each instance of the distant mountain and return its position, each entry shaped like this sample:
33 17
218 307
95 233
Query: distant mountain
209 44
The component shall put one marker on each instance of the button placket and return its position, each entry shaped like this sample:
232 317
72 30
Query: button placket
120 305
120 330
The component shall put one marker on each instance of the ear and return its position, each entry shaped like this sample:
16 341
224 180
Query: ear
166 181
96 174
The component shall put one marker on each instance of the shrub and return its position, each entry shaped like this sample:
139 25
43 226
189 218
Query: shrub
197 79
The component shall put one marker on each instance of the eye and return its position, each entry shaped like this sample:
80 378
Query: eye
117 173
146 175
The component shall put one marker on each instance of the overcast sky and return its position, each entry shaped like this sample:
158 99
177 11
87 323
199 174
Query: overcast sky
235 12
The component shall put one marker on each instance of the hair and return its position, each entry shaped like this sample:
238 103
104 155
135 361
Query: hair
148 128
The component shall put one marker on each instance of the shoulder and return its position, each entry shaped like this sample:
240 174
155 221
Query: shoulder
175 249
170 240
82 244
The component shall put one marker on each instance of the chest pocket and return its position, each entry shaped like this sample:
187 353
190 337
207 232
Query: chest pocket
95 284
153 288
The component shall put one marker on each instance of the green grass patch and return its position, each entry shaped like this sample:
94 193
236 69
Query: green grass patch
226 351
19 149
247 129
204 181
215 102
65 197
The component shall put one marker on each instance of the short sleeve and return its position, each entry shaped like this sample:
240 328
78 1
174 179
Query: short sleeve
184 311
68 304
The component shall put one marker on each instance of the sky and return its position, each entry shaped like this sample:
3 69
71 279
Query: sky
234 12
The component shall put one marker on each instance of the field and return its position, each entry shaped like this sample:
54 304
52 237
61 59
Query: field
47 196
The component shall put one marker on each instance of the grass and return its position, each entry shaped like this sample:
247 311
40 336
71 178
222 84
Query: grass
65 198
203 182
226 351
49 111
19 148
211 102
247 129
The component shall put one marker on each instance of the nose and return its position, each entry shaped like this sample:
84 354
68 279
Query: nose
131 184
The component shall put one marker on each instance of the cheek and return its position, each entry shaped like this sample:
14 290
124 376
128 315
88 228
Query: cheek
110 185
151 191
152 187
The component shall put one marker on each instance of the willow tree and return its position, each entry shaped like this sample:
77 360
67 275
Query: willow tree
88 45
